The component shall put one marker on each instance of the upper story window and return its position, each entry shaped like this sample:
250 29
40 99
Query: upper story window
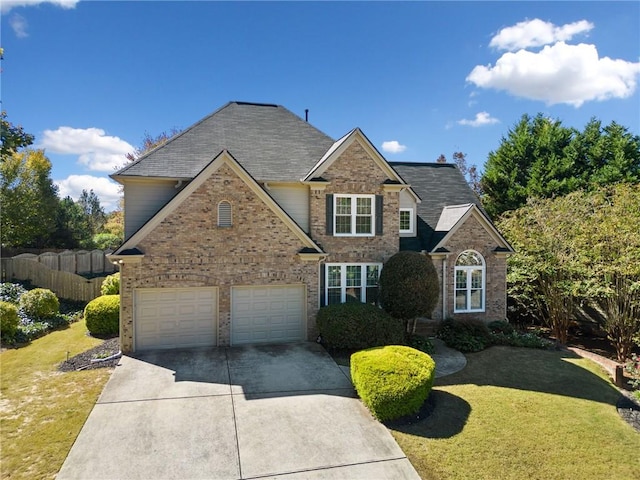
224 214
354 215
406 220
356 282
469 282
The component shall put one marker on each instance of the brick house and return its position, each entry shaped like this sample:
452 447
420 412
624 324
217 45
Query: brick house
239 228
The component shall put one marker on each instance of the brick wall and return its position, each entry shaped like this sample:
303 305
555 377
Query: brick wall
354 172
473 236
188 249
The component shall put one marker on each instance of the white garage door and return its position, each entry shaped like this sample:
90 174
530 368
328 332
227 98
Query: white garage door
270 314
175 317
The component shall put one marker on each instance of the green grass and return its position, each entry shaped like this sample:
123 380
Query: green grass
42 410
517 413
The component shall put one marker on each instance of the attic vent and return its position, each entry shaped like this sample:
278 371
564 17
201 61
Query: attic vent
224 214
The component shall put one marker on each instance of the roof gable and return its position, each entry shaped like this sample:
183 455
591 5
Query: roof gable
454 216
271 143
223 158
340 146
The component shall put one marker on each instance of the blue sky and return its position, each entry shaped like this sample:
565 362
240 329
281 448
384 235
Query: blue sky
88 79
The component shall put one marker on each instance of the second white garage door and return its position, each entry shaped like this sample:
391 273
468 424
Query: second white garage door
268 314
175 317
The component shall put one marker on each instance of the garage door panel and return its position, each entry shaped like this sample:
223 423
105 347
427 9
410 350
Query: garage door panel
268 314
176 317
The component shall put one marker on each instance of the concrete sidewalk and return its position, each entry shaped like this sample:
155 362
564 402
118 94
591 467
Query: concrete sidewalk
283 411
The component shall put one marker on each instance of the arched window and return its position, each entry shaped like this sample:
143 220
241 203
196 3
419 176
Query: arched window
224 214
469 282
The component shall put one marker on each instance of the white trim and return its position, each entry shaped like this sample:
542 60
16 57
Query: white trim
343 279
411 220
468 269
354 215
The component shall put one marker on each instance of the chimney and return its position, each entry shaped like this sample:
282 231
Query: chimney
306 115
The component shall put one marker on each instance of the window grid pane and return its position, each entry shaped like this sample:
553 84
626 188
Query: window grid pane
334 296
476 299
343 224
405 220
373 273
461 279
334 277
354 276
461 300
363 206
343 206
363 224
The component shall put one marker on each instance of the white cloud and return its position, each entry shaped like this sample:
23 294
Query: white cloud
482 119
96 150
393 146
107 191
561 73
19 25
536 33
7 5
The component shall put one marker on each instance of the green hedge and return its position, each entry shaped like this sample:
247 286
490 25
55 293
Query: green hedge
102 315
8 320
40 304
392 381
465 335
355 326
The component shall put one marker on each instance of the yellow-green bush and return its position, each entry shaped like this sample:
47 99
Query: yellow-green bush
102 315
392 381
111 285
40 304
8 320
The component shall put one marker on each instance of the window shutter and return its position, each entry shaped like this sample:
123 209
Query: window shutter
329 209
379 206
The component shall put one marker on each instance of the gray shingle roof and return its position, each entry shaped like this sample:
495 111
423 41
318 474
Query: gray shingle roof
438 185
269 141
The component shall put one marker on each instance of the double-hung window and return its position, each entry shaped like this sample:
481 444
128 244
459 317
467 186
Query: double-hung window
354 215
469 282
351 282
406 220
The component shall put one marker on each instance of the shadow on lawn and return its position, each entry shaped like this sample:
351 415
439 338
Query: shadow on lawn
551 372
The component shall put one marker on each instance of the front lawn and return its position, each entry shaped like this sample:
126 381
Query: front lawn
517 413
43 409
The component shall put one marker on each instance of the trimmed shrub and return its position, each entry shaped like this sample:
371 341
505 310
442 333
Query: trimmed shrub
355 326
465 335
11 292
102 315
8 320
40 304
409 286
111 285
392 381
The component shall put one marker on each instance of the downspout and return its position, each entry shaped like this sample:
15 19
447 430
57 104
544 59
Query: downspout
444 288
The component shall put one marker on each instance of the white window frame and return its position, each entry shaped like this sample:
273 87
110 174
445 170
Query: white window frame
468 269
354 216
343 280
411 217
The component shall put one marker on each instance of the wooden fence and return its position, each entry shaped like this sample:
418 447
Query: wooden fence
78 261
63 284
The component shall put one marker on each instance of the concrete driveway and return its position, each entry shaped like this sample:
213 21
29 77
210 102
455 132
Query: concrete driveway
285 411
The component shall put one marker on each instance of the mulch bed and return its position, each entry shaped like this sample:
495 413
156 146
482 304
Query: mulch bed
82 361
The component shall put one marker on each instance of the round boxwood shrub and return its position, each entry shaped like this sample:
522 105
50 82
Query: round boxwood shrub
111 285
102 315
392 381
355 326
40 304
8 320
